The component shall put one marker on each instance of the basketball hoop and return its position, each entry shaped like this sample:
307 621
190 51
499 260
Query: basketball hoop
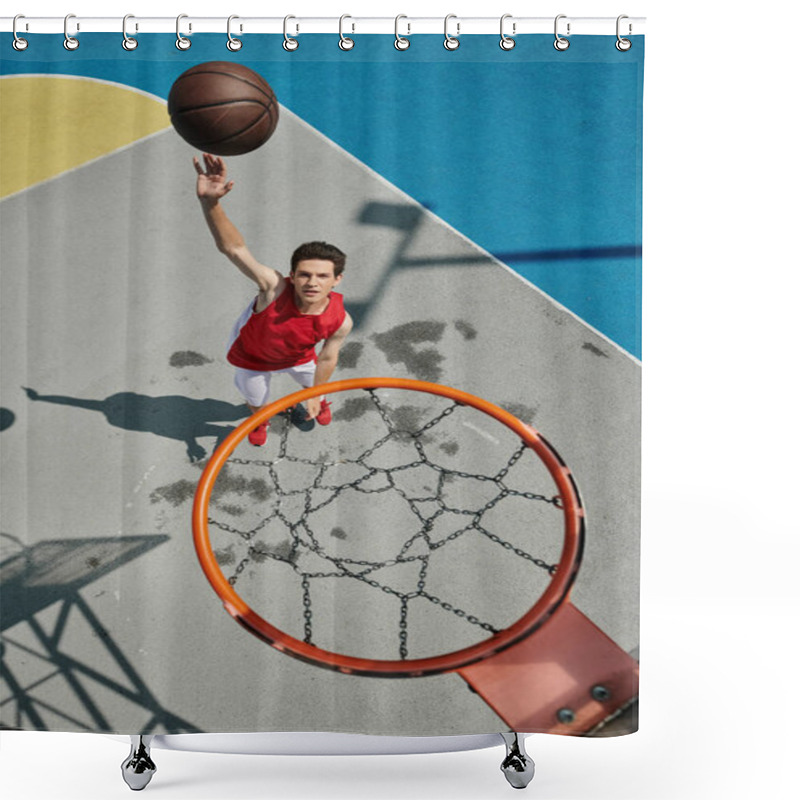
555 594
477 663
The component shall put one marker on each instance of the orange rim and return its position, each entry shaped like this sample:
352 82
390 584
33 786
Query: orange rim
555 594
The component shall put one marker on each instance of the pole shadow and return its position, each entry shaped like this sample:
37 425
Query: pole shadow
406 219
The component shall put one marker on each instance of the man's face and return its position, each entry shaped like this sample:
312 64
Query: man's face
313 279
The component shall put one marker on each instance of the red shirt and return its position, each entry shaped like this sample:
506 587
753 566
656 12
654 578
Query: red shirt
281 336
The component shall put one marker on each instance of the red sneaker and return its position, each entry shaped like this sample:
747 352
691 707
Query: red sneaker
324 416
258 436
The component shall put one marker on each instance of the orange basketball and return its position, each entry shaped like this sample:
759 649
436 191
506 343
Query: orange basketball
223 108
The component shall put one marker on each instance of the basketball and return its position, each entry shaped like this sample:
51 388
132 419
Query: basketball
223 108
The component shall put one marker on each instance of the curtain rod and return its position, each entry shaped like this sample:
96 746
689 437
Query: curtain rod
405 25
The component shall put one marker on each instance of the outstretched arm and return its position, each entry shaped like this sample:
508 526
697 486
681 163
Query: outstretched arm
212 186
63 400
326 363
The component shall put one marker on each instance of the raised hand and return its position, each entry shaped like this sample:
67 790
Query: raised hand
212 182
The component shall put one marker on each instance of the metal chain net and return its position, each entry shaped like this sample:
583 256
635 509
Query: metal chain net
351 534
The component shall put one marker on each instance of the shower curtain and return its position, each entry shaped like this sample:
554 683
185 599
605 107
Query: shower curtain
443 542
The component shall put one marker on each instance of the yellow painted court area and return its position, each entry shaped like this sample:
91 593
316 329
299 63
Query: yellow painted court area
52 124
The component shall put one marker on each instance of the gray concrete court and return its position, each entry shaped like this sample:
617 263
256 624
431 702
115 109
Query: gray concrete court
116 310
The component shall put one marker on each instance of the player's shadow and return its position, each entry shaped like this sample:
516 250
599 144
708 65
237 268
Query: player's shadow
172 416
47 679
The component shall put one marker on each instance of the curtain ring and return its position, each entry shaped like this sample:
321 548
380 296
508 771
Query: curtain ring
233 44
451 42
345 42
182 43
401 42
289 43
507 42
19 43
561 43
70 42
128 42
623 44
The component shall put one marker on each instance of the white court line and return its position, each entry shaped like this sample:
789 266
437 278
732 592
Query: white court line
480 432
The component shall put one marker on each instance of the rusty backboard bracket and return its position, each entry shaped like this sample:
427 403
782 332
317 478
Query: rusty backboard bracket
566 678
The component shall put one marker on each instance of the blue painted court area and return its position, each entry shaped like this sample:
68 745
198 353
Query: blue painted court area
549 185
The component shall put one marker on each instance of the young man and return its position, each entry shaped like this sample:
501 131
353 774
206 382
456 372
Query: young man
278 331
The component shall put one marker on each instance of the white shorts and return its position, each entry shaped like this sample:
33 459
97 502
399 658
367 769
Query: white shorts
254 386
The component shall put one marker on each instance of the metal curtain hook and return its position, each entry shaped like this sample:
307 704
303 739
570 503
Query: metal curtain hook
289 43
507 42
451 42
561 43
19 43
70 42
182 43
623 44
346 43
401 42
128 42
233 43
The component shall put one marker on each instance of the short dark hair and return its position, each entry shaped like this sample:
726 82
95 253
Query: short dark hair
322 251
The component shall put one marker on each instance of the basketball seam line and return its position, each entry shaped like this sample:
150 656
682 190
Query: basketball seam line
238 133
230 75
216 105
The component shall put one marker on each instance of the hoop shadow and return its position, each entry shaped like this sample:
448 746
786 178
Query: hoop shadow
38 577
172 416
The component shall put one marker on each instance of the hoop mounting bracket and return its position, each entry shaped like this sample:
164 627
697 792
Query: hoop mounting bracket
567 678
